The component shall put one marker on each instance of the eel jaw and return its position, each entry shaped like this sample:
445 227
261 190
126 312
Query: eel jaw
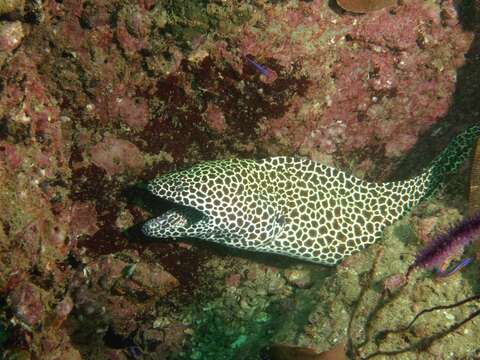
179 221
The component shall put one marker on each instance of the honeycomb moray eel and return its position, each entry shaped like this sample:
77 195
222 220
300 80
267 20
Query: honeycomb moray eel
292 206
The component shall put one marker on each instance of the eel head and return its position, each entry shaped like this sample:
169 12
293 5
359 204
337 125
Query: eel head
219 201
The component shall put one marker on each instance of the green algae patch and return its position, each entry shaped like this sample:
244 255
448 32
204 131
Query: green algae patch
189 20
8 6
241 319
254 303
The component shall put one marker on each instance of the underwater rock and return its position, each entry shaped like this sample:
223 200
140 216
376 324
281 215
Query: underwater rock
64 307
215 118
116 156
8 6
114 291
345 87
132 29
83 219
233 280
153 279
394 282
377 68
11 35
134 112
26 300
363 6
289 352
166 340
134 278
300 278
10 156
369 293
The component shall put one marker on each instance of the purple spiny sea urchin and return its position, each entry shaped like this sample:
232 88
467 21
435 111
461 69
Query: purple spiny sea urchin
439 249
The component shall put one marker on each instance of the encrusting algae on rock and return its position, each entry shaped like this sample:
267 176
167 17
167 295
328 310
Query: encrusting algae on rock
363 6
98 95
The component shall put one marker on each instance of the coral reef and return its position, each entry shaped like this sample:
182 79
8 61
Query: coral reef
98 95
368 304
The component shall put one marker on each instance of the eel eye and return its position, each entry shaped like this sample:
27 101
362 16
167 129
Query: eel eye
180 187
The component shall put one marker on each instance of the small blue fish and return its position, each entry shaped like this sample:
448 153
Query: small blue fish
134 351
267 75
261 69
457 267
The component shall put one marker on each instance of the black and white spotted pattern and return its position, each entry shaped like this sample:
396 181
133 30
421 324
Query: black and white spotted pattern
290 206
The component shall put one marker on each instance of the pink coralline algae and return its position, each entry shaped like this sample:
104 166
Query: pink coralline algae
10 156
27 302
233 280
133 112
83 219
153 280
382 79
397 31
64 307
215 118
92 91
132 40
394 282
400 144
116 156
116 293
62 310
114 102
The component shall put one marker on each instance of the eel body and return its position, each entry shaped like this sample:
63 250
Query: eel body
291 206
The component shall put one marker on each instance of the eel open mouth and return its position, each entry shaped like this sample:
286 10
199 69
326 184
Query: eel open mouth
177 218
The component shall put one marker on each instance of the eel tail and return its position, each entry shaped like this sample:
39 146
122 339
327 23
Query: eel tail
450 159
404 195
